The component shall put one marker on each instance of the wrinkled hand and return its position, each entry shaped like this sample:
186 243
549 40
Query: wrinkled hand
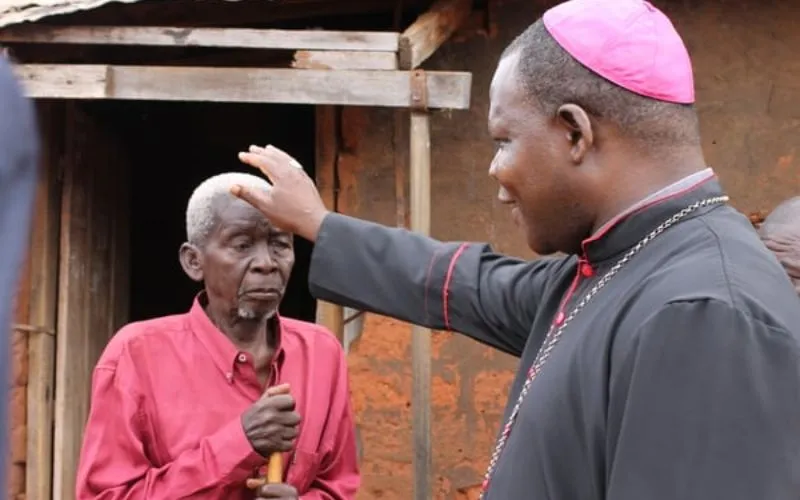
277 490
271 423
293 203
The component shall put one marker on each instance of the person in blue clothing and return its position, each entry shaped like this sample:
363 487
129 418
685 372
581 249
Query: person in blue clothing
19 144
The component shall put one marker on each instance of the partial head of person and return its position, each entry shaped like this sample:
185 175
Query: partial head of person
780 232
243 260
591 110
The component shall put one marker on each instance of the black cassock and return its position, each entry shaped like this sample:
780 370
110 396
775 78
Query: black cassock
678 380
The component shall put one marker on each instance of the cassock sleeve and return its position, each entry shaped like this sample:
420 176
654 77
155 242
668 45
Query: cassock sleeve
464 287
705 405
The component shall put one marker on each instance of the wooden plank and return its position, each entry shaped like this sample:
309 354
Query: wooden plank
434 27
375 41
449 90
70 82
327 149
420 180
400 145
89 285
324 59
72 363
44 288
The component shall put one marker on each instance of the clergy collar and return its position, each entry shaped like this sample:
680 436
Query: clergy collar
219 345
629 227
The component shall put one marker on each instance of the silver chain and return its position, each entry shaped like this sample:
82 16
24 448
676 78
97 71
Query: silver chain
555 332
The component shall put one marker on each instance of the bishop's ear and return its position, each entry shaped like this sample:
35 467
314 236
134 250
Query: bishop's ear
191 261
578 128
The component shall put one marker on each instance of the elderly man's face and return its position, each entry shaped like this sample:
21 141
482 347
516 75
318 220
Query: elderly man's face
534 165
785 244
246 262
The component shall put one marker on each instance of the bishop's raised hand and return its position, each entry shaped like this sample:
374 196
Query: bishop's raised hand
293 203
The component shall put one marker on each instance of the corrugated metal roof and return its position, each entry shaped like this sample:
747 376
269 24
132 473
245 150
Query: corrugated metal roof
20 11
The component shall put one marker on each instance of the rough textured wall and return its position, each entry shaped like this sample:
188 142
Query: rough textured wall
18 409
15 489
750 108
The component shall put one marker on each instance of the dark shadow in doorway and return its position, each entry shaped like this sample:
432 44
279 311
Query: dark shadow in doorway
174 147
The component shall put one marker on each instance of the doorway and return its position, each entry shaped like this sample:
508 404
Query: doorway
173 147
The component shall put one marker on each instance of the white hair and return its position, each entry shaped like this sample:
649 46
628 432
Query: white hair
200 210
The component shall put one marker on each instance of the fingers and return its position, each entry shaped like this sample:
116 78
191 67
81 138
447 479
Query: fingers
276 155
271 161
254 483
278 490
281 402
278 390
256 197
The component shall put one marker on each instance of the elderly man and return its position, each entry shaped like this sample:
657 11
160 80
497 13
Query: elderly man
18 162
179 406
659 359
780 232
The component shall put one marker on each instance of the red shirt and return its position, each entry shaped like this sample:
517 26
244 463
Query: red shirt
167 400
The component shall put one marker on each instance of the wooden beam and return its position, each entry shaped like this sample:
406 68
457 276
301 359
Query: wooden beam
43 305
325 59
329 315
420 180
204 37
434 27
450 90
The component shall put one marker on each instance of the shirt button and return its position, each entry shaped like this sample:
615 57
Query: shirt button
242 358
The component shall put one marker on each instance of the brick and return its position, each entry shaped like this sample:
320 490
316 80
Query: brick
18 409
16 480
19 360
19 443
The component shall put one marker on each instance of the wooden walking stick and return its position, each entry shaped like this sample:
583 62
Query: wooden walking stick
275 464
274 473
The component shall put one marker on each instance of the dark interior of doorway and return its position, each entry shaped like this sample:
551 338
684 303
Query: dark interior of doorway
174 146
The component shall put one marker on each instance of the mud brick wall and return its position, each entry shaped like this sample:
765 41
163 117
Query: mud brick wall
18 411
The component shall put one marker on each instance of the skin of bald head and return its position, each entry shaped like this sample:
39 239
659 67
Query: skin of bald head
242 259
573 149
780 232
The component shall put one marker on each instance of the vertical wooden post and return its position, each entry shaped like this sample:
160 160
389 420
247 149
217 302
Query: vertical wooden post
44 290
329 315
420 195
93 279
73 368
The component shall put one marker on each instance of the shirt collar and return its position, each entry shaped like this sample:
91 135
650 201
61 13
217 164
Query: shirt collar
222 349
634 223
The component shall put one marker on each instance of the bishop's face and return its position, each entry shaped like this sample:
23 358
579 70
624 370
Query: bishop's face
532 165
246 262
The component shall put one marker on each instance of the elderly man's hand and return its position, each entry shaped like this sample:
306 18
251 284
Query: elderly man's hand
277 490
271 423
293 203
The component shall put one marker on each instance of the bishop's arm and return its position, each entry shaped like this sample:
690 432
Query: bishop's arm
703 405
463 287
